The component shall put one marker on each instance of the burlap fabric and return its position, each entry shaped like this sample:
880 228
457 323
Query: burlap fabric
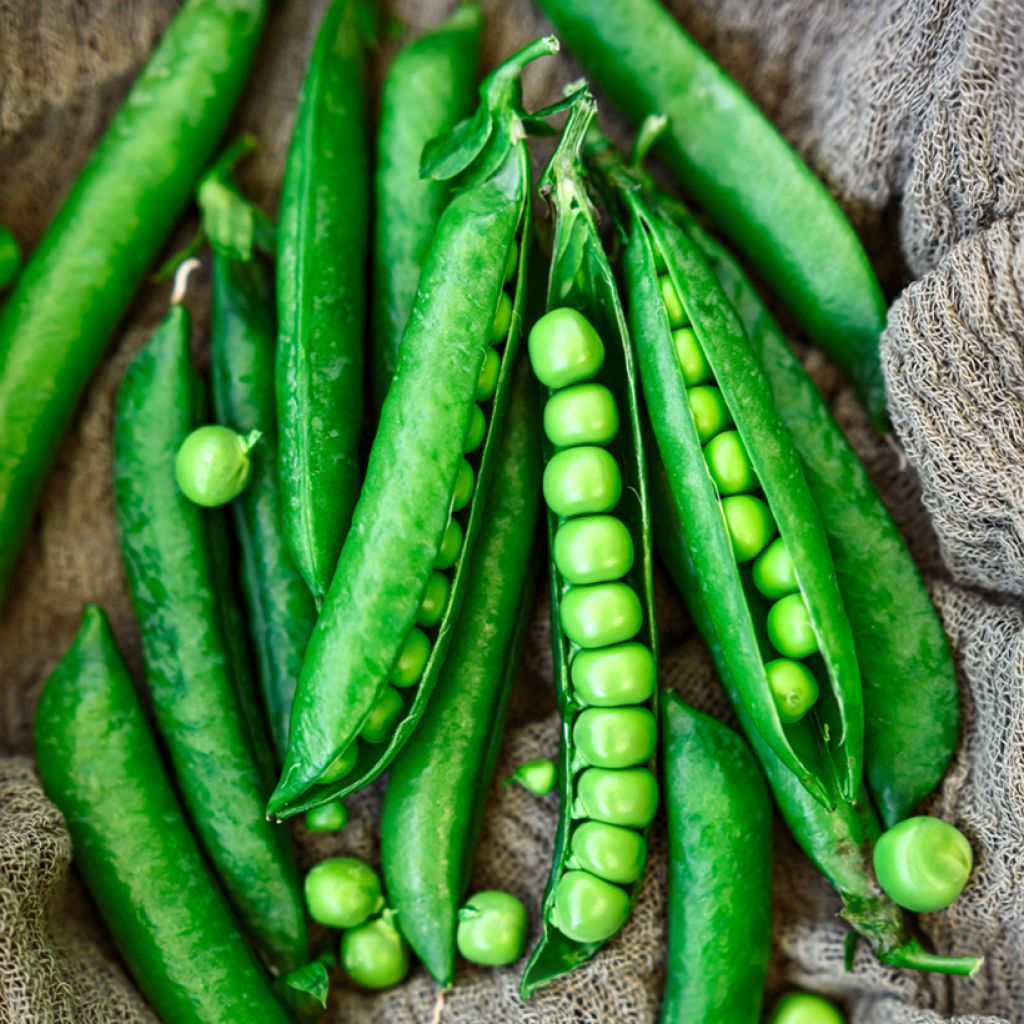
913 112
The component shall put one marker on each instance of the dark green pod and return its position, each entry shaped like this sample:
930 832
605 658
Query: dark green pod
135 850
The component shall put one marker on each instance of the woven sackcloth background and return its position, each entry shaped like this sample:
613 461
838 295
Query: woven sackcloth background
913 112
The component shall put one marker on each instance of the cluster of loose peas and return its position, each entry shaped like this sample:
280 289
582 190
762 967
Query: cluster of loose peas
748 520
612 675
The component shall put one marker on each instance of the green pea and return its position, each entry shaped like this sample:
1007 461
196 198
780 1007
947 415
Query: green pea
487 383
613 676
564 349
790 629
342 892
774 572
491 929
601 614
502 320
729 463
382 718
923 863
465 481
609 851
537 776
673 306
587 908
511 264
804 1008
476 431
581 414
693 364
750 525
435 600
341 765
593 549
375 955
582 481
212 465
328 817
794 688
615 737
710 413
627 796
451 545
412 659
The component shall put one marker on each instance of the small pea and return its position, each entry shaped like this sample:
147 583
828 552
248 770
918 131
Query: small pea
328 817
412 659
710 413
582 481
502 320
435 600
750 525
615 737
212 465
487 383
609 851
613 676
626 796
374 954
511 263
492 929
774 572
693 364
805 1008
342 892
465 481
670 299
794 688
451 545
476 431
382 718
537 776
729 463
564 348
601 614
593 549
341 765
790 629
581 414
587 908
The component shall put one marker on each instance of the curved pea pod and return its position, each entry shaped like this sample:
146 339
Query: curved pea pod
10 257
438 784
428 89
409 495
582 280
133 846
195 659
322 237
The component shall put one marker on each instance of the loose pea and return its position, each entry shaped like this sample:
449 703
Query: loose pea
492 929
790 629
342 892
564 348
794 688
693 364
581 414
593 549
341 765
375 955
502 320
475 431
774 572
382 718
614 676
510 264
729 463
670 298
537 776
615 737
581 481
412 659
601 614
626 796
435 600
329 817
750 525
710 413
451 545
487 384
587 908
212 465
609 851
804 1008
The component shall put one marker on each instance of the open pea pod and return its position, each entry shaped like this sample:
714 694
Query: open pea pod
381 637
608 797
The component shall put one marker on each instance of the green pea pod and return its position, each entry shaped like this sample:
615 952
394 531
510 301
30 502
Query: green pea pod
133 846
81 278
187 622
735 162
10 257
321 253
427 91
281 610
582 279
720 877
405 509
438 785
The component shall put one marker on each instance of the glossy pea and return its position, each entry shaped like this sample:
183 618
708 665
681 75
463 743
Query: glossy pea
587 908
329 817
790 629
693 364
212 466
412 659
382 718
601 614
670 299
465 481
475 431
451 545
609 851
710 413
488 382
627 796
582 481
774 573
343 892
613 676
615 737
749 523
341 765
581 414
729 463
374 954
502 320
793 686
492 929
593 549
806 1008
435 600
565 349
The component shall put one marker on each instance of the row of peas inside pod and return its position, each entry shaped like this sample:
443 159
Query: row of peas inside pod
613 736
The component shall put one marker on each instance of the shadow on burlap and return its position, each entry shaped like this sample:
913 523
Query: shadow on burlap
912 113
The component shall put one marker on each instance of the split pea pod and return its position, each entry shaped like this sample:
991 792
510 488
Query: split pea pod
79 281
194 665
10 257
438 784
133 846
743 172
602 617
322 237
428 89
369 668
